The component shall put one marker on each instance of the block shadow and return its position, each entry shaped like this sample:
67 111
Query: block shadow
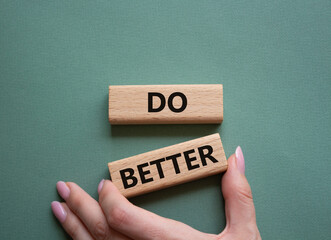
163 130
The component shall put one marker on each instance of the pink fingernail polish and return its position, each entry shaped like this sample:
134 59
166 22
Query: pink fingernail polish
240 160
63 190
100 185
59 211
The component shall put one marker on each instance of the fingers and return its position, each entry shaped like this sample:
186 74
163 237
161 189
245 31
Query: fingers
87 210
138 223
70 222
239 206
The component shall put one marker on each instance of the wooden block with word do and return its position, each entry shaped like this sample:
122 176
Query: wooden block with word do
166 104
169 166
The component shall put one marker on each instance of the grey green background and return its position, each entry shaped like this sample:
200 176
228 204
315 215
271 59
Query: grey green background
57 59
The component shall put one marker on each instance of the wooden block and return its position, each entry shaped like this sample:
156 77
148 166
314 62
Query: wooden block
166 104
169 166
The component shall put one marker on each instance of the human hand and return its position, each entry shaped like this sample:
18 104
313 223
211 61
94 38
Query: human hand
115 218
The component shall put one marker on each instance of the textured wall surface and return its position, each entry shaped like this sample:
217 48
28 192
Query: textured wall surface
57 59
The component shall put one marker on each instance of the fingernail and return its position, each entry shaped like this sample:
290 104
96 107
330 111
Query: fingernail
100 185
240 160
63 189
59 211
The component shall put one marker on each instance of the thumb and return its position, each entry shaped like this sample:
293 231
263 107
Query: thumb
239 206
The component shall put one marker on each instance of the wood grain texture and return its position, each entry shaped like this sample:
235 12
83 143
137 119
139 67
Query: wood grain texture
195 159
129 104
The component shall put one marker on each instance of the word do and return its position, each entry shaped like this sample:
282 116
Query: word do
151 96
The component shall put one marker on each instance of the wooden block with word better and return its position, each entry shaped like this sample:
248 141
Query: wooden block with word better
169 166
166 104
